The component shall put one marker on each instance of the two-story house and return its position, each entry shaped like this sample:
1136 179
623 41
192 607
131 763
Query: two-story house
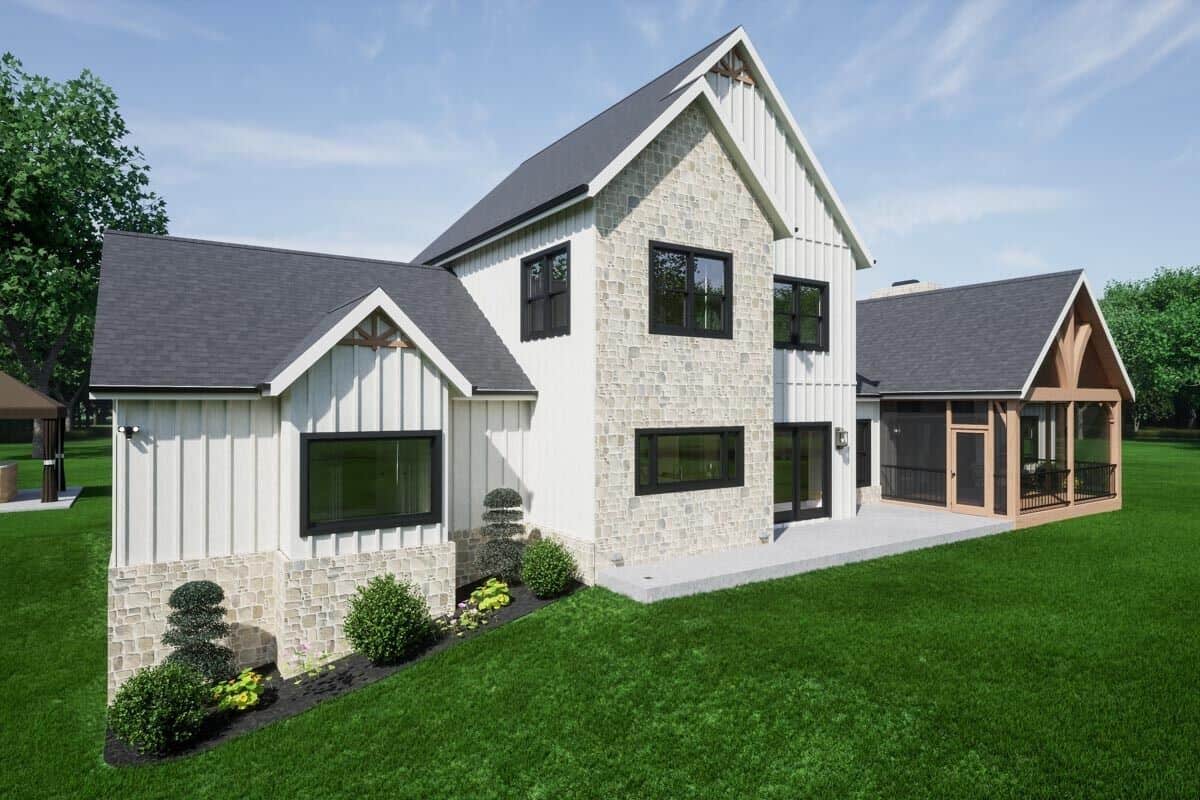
647 329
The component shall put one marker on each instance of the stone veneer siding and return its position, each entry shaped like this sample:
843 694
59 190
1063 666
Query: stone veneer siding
274 604
683 189
869 494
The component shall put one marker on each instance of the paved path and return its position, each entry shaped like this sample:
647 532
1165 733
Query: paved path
880 529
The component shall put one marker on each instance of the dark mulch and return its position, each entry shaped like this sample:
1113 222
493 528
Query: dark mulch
286 699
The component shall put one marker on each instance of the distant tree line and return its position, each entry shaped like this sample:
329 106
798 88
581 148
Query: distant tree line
1156 324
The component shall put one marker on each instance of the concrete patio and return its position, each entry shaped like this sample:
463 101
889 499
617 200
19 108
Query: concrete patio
879 530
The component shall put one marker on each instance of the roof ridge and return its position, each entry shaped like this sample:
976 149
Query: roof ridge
1018 279
268 249
645 85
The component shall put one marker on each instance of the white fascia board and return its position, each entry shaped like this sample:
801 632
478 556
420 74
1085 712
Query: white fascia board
862 255
1082 283
378 300
441 262
183 393
699 90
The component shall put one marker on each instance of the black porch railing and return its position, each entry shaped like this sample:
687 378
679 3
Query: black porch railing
914 484
1043 485
1093 480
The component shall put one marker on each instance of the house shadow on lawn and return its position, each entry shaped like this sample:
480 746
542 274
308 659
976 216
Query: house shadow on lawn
289 697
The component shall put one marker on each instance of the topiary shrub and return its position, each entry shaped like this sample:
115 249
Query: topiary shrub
388 620
159 708
197 619
548 569
500 555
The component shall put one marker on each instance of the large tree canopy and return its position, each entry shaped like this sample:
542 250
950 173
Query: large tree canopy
1156 324
66 176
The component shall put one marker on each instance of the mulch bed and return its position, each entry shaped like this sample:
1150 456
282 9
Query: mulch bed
286 699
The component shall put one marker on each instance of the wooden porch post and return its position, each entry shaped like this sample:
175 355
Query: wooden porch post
1013 414
1114 448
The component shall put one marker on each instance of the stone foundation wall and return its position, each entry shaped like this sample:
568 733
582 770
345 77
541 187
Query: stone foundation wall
468 541
868 494
137 609
274 604
317 591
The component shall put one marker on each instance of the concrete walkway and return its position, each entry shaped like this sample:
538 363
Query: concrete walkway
879 530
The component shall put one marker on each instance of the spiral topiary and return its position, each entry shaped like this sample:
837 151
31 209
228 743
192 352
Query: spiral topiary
501 554
196 621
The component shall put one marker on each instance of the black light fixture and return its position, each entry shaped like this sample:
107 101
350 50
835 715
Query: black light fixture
128 430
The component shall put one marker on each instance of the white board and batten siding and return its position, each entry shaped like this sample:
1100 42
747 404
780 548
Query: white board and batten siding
199 480
809 387
210 478
544 449
352 389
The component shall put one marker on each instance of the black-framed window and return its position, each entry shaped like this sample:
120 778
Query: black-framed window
686 459
546 293
801 314
362 481
862 452
691 291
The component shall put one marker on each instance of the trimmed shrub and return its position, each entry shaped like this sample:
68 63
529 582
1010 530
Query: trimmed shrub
159 708
197 619
500 556
548 569
388 620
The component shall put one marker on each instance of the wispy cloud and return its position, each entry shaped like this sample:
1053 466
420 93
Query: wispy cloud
1092 49
902 212
1021 260
644 22
957 51
416 13
388 144
128 16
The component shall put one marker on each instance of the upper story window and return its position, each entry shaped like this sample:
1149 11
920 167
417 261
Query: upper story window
691 291
546 293
801 314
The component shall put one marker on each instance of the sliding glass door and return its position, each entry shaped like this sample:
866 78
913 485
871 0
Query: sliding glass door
802 471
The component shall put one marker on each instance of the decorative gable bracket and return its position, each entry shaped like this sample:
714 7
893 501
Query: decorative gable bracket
734 69
375 332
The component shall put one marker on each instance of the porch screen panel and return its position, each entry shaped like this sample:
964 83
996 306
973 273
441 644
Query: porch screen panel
912 448
1091 433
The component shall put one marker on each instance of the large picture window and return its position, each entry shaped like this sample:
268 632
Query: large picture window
691 291
686 459
362 481
546 294
801 314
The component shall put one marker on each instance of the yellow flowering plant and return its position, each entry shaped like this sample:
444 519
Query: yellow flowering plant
240 693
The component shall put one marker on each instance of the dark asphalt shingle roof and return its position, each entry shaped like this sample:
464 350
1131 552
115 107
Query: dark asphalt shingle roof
985 337
566 167
177 312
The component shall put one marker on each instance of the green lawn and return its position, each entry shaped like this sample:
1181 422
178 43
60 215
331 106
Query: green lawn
1062 661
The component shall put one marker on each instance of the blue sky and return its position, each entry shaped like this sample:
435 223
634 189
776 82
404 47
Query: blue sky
968 142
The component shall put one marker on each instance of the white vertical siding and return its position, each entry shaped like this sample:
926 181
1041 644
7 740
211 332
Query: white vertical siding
487 451
544 449
357 389
198 480
809 387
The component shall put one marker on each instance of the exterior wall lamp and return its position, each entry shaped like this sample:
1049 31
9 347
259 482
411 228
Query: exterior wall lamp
841 439
128 430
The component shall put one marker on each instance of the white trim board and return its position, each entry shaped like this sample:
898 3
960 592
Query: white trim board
377 300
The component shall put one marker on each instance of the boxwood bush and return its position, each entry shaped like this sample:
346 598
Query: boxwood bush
160 708
548 569
388 620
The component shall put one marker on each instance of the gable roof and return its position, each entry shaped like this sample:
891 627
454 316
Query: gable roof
176 313
986 338
579 164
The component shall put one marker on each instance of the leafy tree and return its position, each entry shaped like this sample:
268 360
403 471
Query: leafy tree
65 177
1156 325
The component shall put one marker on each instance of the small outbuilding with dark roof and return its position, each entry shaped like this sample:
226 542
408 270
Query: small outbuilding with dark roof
1000 398
18 401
